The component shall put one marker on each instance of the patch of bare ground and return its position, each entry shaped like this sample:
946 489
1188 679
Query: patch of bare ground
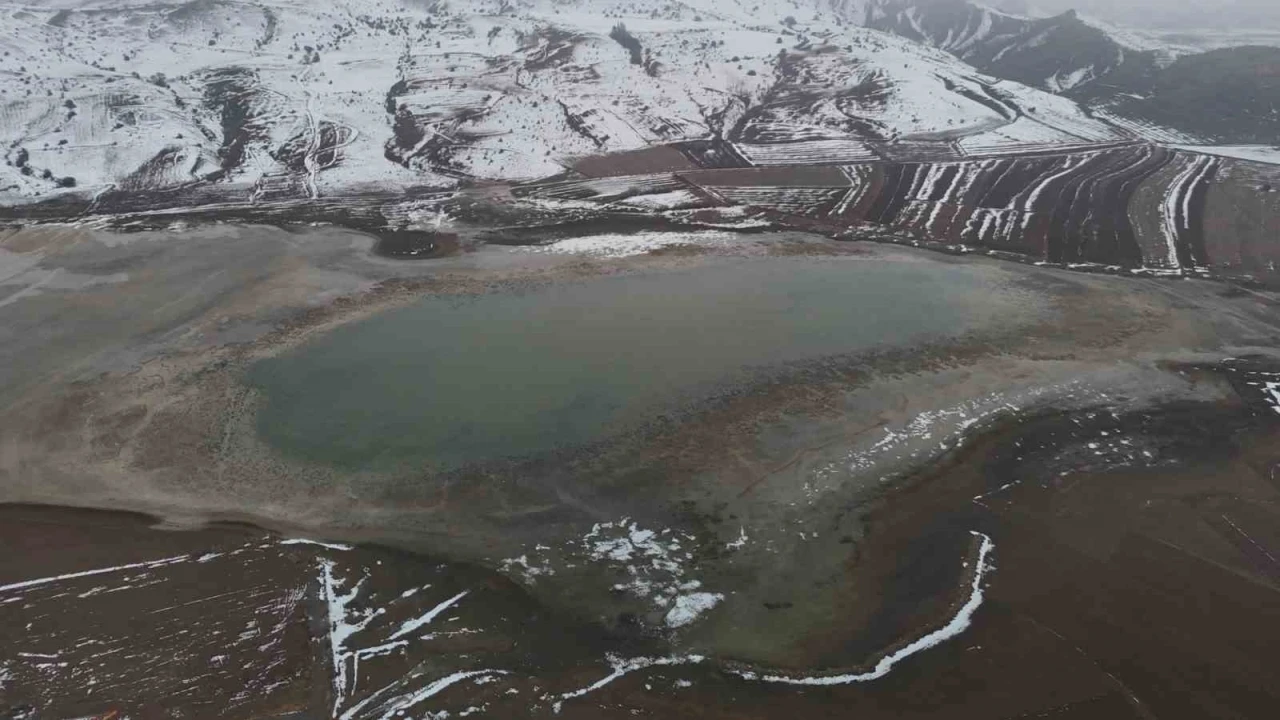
176 436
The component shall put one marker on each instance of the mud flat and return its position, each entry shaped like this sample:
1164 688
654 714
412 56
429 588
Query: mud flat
807 501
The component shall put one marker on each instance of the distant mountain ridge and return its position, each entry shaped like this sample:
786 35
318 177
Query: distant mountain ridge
1057 54
1228 95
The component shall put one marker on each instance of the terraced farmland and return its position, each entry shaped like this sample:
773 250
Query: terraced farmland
1142 207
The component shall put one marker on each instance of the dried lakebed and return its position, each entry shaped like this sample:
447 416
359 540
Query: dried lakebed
784 503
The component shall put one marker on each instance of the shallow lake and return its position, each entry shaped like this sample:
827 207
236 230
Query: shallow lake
450 381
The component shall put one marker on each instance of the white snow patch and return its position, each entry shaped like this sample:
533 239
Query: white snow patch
529 570
1273 389
619 245
675 200
687 608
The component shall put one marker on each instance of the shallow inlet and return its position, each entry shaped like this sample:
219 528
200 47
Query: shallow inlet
450 381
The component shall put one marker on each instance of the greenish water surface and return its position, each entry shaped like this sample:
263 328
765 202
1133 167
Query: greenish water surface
450 381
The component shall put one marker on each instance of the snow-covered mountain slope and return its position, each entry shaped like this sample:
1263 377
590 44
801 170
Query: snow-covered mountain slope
1158 91
306 98
1058 53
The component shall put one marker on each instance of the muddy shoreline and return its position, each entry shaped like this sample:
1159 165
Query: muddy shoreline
1060 661
829 504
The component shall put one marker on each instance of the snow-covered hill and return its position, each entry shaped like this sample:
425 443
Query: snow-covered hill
1160 91
301 98
297 98
1058 54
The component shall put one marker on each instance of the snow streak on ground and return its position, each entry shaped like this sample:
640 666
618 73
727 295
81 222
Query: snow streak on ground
358 631
98 633
622 667
957 625
90 573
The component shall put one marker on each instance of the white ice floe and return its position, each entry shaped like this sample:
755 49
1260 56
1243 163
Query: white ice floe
687 608
957 625
622 667
626 245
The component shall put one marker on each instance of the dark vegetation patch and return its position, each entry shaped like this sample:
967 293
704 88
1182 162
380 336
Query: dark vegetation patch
231 92
1229 95
415 245
628 41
